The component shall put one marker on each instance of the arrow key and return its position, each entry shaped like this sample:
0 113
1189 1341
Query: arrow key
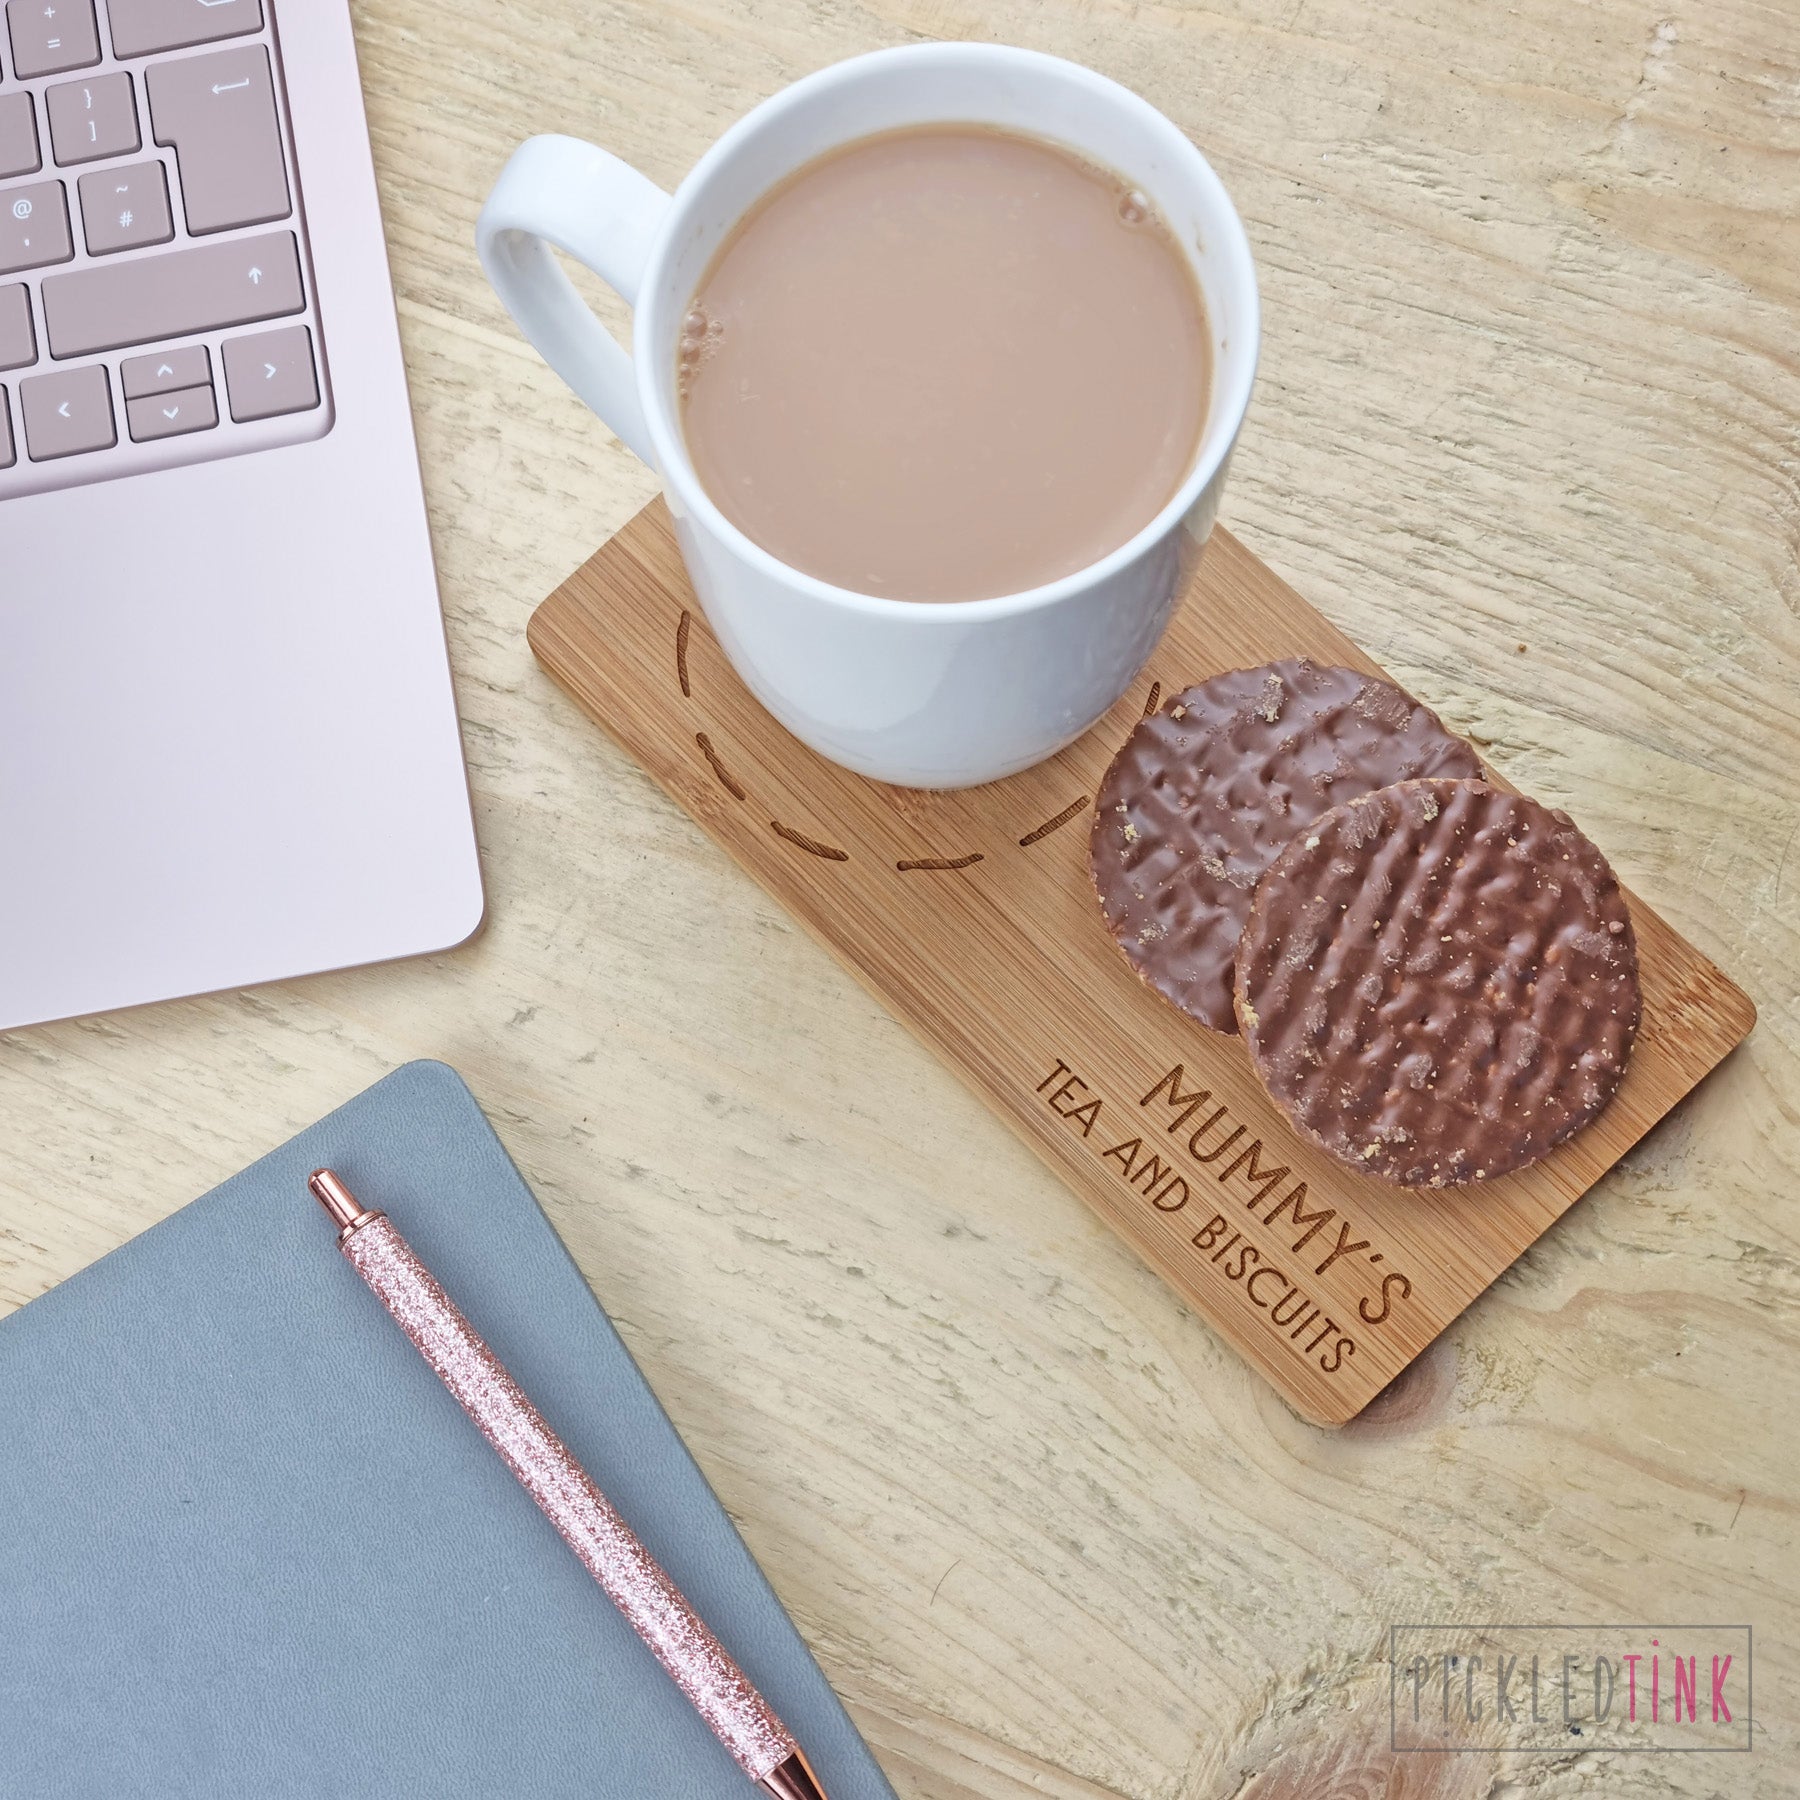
271 373
171 415
67 412
165 371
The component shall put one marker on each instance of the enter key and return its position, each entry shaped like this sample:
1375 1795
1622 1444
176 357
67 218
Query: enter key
218 114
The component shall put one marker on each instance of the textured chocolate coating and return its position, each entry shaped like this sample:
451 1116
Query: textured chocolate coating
1207 792
1439 982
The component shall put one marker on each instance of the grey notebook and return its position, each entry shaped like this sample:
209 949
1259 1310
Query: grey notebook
250 1547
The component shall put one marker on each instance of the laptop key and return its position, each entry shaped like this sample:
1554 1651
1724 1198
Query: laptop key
218 112
270 374
34 227
92 119
142 27
67 413
18 343
50 36
109 306
171 415
166 373
142 205
19 153
125 209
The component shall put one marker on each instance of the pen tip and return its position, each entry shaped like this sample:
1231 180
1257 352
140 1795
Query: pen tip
792 1780
336 1199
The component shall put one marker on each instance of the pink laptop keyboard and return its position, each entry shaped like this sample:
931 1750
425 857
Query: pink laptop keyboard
155 294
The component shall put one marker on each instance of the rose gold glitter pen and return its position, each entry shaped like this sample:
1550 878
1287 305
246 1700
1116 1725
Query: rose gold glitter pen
740 1718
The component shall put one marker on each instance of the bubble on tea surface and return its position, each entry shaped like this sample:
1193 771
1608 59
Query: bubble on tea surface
701 335
1134 207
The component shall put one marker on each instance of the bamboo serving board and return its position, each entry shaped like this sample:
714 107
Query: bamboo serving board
971 916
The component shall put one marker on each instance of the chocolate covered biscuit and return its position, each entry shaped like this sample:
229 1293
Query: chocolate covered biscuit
1438 982
1208 791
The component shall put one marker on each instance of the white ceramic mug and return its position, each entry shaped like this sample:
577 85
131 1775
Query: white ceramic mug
935 695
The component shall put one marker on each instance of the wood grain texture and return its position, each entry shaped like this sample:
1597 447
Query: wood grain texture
1531 376
972 916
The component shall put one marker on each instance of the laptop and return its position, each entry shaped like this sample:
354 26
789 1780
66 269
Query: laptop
229 749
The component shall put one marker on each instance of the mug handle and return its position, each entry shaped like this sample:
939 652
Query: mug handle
601 211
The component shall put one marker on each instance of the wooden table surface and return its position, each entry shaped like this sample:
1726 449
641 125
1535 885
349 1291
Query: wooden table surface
1527 428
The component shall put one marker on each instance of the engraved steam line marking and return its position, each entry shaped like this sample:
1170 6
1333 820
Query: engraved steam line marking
813 847
726 780
829 851
1149 704
1056 824
935 863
